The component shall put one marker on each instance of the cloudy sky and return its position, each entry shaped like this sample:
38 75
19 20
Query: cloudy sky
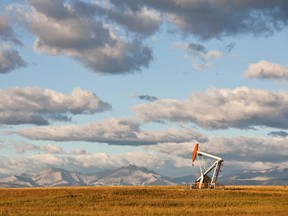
89 85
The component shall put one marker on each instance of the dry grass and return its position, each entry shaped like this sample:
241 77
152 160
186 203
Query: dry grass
144 201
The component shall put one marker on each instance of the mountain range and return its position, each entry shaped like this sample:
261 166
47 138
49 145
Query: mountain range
134 176
127 175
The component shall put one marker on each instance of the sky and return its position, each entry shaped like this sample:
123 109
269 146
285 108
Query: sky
92 85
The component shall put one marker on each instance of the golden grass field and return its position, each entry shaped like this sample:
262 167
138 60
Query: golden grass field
172 200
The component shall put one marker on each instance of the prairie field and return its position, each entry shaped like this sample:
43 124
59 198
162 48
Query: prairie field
152 200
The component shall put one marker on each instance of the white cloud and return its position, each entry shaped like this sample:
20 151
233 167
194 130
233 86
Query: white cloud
21 148
258 178
249 149
267 70
10 59
113 131
81 31
164 164
221 109
241 154
144 22
213 54
81 28
33 105
6 32
259 167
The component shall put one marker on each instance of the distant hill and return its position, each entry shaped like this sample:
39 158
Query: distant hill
134 176
127 175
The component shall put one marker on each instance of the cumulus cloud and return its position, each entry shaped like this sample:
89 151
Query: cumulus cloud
10 59
248 154
241 107
245 149
216 19
33 105
201 57
21 148
164 164
144 22
242 156
267 70
102 38
242 169
86 37
113 132
7 34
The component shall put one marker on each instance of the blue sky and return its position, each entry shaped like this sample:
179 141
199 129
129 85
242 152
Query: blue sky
93 85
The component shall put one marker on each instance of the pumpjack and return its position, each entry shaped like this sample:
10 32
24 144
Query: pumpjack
204 180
